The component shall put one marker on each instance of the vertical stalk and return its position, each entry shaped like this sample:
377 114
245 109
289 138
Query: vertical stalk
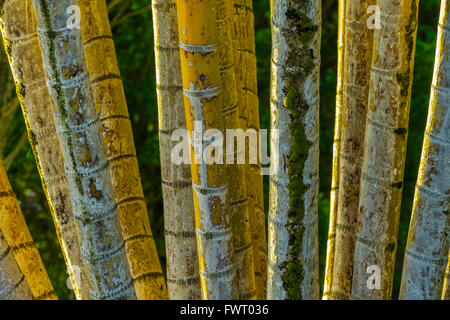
329 269
15 231
235 174
426 253
183 279
385 148
197 26
12 281
293 267
87 166
243 34
446 288
19 31
115 126
356 83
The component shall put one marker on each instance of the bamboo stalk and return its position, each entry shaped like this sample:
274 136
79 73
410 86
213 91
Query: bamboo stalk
385 148
446 288
77 125
356 84
115 125
12 281
15 231
329 269
293 266
245 69
183 278
426 253
19 30
197 27
235 174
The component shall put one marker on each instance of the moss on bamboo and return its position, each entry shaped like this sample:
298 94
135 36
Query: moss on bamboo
301 29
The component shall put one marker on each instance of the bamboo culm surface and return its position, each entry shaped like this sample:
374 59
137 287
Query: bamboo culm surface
293 213
12 281
243 33
426 253
87 166
115 126
197 28
329 268
19 31
235 174
385 148
183 278
20 244
355 90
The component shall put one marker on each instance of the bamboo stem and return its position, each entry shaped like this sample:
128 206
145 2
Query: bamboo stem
385 148
115 126
293 266
197 26
426 253
77 125
183 278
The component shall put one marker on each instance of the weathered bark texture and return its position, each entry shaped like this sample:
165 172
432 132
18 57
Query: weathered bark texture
19 30
356 82
235 176
385 148
426 253
183 278
12 281
86 164
197 27
115 125
293 266
243 34
329 268
15 231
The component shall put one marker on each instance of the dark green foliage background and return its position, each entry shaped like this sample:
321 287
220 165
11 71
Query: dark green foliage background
134 43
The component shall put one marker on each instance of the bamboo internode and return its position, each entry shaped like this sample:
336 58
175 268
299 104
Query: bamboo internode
426 254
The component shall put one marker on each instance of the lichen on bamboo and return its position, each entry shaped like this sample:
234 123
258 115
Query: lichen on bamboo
293 213
19 31
427 249
86 163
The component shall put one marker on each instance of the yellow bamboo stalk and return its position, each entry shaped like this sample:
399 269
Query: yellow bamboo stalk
19 31
426 252
183 279
385 149
245 69
235 176
115 125
356 82
329 269
197 26
18 237
446 288
12 281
